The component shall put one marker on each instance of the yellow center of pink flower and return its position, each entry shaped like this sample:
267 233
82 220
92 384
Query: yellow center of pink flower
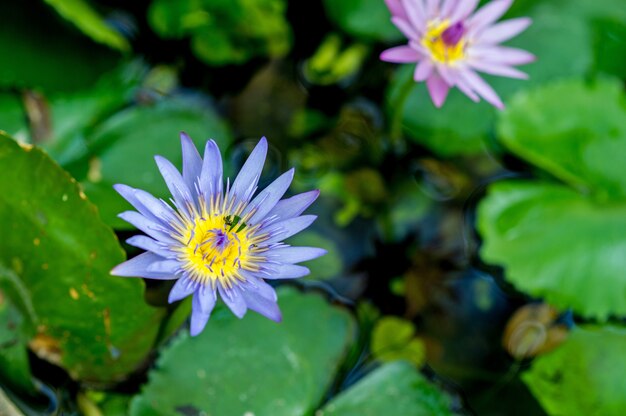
444 41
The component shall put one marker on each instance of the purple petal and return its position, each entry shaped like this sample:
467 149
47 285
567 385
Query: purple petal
148 244
205 297
503 31
423 70
294 206
174 182
405 27
152 228
295 254
212 170
463 9
192 162
165 267
286 271
138 267
233 299
285 229
264 306
267 199
198 322
248 177
438 89
128 194
159 210
259 286
482 88
488 14
416 12
497 69
400 55
182 288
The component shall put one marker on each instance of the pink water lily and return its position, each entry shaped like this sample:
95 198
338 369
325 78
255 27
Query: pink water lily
450 43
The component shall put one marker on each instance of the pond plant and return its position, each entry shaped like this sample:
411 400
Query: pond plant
430 228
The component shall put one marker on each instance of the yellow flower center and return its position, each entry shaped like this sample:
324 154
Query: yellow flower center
218 244
441 50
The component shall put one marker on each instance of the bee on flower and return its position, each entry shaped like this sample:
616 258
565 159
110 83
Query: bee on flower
451 43
217 239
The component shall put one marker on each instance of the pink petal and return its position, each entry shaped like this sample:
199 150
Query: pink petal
399 55
417 14
448 74
447 7
462 85
498 69
501 55
503 31
483 89
396 8
438 89
488 14
462 10
423 70
405 27
431 8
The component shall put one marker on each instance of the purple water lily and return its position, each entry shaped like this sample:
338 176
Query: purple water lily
215 239
450 43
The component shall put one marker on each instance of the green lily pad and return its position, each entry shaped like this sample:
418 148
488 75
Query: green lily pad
94 325
81 14
394 389
225 31
584 376
367 19
122 150
252 366
14 365
557 244
573 130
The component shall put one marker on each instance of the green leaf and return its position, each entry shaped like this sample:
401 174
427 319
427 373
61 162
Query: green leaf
45 53
557 244
14 365
12 115
81 14
367 19
584 376
393 389
461 126
252 365
573 130
393 338
58 254
75 115
122 150
225 31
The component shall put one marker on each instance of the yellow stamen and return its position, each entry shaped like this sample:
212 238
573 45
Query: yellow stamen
440 50
218 244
